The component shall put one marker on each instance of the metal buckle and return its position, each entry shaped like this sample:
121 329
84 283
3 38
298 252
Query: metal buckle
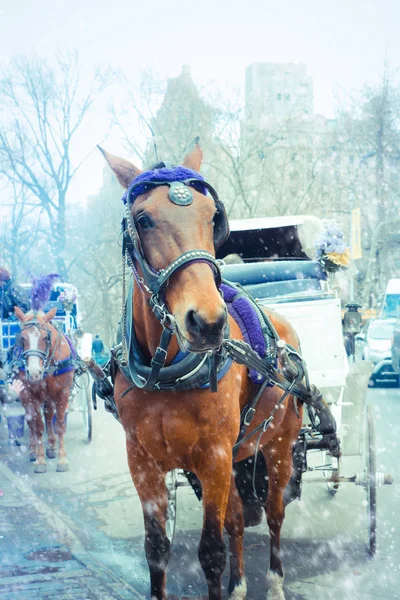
159 349
267 423
168 321
249 416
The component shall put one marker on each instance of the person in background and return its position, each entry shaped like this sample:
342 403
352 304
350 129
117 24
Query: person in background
97 348
11 295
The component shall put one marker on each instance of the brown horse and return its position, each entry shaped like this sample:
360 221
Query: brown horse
195 430
44 352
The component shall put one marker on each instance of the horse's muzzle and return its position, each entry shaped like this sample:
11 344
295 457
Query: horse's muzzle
203 335
36 375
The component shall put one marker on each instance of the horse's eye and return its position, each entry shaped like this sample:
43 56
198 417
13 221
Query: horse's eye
215 218
145 222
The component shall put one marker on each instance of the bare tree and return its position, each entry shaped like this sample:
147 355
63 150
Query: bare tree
41 110
370 126
94 258
21 229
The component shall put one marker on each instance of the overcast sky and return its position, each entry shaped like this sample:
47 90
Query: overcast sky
342 43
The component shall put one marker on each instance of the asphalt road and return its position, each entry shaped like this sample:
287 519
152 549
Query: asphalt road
324 537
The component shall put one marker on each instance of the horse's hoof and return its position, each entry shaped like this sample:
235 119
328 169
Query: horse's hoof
39 468
50 453
240 591
275 587
62 467
32 456
253 514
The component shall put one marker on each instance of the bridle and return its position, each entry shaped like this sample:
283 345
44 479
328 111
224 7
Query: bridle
44 355
154 282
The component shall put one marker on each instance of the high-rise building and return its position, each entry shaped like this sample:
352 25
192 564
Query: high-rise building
182 116
278 90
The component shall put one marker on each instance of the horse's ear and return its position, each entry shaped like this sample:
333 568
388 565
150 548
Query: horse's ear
123 169
194 156
19 313
50 315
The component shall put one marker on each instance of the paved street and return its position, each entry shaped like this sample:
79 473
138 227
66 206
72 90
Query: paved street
93 539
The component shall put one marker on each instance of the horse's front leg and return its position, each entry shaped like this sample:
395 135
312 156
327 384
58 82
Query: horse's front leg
234 525
33 416
215 476
278 457
51 436
149 481
61 408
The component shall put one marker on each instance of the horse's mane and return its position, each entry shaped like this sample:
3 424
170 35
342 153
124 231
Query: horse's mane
41 290
159 165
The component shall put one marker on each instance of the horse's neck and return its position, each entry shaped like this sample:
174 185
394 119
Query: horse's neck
148 329
59 347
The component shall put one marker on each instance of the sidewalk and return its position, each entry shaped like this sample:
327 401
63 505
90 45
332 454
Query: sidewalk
41 558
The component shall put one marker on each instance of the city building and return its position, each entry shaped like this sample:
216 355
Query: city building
277 89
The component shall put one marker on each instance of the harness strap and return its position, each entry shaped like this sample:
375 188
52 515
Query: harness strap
159 358
157 363
266 422
247 416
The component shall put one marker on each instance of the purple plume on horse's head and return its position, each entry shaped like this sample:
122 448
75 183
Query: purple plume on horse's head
41 290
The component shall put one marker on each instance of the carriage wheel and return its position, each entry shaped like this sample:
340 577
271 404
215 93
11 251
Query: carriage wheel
171 485
332 470
371 481
85 406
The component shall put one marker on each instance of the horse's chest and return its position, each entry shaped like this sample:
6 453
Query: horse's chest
165 425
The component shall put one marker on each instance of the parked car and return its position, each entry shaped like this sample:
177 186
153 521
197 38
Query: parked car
374 343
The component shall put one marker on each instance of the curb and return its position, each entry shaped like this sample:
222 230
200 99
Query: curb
65 534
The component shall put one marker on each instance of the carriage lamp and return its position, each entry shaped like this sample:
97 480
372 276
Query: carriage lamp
352 319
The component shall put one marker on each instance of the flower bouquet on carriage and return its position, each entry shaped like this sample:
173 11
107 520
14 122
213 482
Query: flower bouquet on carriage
331 250
67 299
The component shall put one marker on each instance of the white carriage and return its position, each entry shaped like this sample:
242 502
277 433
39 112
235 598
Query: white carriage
274 262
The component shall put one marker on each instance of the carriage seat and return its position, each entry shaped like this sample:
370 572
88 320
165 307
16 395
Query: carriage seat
300 278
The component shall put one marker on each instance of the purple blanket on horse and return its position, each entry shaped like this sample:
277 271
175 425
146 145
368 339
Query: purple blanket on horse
241 309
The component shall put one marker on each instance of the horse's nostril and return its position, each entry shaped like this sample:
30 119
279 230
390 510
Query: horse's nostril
221 322
194 322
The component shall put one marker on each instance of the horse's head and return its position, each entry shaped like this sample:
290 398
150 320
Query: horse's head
36 340
177 227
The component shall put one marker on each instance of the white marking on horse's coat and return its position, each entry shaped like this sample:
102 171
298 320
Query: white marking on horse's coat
33 365
275 586
240 591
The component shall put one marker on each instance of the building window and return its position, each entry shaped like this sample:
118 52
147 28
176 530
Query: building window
279 96
287 97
